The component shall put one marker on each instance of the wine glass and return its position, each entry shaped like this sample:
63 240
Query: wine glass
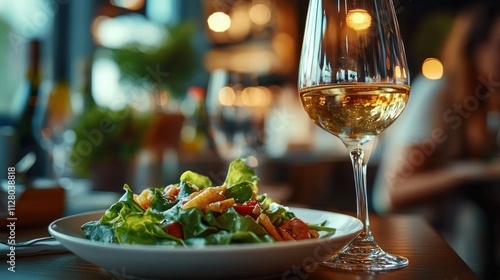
353 82
236 109
52 126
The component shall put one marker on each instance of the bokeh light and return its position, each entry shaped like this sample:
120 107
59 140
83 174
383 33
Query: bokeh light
219 22
260 14
397 71
227 97
432 69
358 19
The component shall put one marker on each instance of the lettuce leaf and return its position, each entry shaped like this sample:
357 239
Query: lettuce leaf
126 222
231 228
185 189
196 179
328 230
96 231
232 221
192 221
159 203
239 172
241 191
278 213
208 229
143 228
125 206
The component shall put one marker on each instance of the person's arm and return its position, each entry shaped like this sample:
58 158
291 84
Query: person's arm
404 175
412 183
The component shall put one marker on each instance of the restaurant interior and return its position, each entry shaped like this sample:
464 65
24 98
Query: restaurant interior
101 93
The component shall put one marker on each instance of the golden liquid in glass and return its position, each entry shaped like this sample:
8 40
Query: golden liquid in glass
355 112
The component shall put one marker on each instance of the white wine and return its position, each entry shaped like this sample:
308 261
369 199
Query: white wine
355 112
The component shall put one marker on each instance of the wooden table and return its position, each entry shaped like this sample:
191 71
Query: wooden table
430 257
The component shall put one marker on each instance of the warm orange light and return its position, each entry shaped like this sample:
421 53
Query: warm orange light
397 71
260 14
267 97
358 19
251 96
219 22
227 96
256 97
432 69
241 24
283 44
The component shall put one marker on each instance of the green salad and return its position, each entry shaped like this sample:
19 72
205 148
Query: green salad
193 212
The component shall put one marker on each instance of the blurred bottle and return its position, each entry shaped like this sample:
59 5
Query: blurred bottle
84 84
26 141
193 133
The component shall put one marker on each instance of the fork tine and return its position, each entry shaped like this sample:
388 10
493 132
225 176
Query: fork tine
29 242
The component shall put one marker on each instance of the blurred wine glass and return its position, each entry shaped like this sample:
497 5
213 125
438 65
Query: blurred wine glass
52 125
236 108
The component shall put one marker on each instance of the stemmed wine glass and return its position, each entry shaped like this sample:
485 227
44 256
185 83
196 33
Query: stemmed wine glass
353 82
236 107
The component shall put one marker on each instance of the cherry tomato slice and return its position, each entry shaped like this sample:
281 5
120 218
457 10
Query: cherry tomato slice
247 208
175 229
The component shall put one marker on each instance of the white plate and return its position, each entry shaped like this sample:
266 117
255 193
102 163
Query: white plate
223 261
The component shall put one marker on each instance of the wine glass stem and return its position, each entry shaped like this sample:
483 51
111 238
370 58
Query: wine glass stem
363 253
357 154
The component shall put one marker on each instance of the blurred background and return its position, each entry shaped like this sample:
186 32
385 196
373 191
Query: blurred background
98 93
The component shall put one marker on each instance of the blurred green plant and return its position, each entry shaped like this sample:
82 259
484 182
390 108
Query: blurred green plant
107 136
168 66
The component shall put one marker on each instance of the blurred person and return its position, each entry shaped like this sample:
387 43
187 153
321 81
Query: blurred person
445 145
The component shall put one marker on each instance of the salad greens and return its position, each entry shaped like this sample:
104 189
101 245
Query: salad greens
239 172
227 214
196 179
241 192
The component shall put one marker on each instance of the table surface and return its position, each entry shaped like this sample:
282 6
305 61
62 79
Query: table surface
410 236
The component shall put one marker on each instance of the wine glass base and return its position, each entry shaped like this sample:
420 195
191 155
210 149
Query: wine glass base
365 255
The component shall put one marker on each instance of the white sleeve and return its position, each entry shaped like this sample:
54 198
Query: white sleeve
414 125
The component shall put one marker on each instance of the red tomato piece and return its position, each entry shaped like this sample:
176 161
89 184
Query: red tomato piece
249 208
296 228
175 229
